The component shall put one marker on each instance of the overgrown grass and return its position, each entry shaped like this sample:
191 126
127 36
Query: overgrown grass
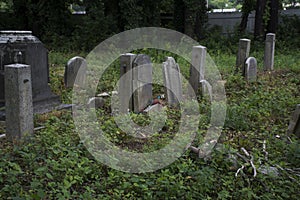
54 163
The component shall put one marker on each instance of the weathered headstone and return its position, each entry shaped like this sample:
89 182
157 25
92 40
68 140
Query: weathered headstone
142 82
172 81
243 54
23 47
294 126
269 52
206 89
125 84
251 69
197 68
75 68
18 96
136 86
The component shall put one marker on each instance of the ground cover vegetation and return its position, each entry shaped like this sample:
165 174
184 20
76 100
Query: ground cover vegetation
55 163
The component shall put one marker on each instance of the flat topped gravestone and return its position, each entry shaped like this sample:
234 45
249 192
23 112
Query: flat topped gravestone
242 55
251 69
172 82
135 89
197 68
75 68
269 52
19 110
142 82
294 126
23 47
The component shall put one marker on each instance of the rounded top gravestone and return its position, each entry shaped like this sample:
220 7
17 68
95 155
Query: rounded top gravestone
23 47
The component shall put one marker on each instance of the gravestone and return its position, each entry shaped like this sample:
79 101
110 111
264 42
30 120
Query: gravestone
251 69
207 89
197 68
142 82
269 52
172 82
75 65
125 84
294 126
135 89
23 47
243 54
18 95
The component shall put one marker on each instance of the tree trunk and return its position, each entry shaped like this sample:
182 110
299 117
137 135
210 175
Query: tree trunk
273 22
243 24
259 25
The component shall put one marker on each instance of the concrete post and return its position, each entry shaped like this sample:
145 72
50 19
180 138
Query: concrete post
18 101
269 52
243 54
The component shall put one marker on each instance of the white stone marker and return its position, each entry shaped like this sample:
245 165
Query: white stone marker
197 68
142 82
269 52
172 82
125 84
75 68
18 101
243 54
251 69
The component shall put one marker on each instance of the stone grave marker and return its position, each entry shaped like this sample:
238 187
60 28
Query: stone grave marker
294 126
251 69
243 54
18 95
197 68
75 65
142 82
269 52
135 87
23 47
172 82
125 84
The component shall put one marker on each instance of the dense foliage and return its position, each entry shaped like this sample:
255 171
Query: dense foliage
55 163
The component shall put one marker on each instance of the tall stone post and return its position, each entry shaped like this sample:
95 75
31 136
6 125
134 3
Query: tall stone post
269 52
243 54
197 68
18 101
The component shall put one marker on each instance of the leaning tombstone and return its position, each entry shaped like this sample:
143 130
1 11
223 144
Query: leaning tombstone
142 82
23 47
172 82
197 68
243 54
75 70
294 126
18 101
251 69
269 52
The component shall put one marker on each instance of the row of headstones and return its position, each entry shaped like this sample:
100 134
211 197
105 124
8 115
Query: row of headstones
135 88
248 65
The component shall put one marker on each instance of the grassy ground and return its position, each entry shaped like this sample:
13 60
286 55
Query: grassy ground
55 164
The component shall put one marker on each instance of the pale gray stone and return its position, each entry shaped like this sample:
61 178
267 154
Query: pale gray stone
135 89
125 83
18 101
197 68
172 82
269 52
294 126
243 54
251 69
96 102
142 80
75 70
